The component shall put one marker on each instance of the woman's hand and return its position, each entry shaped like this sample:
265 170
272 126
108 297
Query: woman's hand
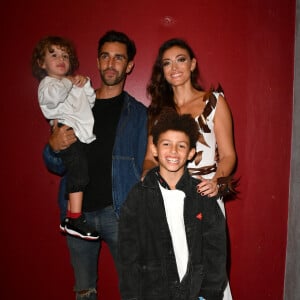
61 137
208 187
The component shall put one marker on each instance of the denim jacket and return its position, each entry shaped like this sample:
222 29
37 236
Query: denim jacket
127 157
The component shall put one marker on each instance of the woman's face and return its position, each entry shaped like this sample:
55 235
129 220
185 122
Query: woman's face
177 66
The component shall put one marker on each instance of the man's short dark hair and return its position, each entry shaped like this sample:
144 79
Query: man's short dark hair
169 119
117 36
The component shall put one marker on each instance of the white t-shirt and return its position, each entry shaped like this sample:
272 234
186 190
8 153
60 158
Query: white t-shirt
174 204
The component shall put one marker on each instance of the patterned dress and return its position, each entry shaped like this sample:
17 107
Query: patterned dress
205 161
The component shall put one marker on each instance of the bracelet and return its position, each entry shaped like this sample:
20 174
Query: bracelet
227 185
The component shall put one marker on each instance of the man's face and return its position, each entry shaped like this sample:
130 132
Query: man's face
113 64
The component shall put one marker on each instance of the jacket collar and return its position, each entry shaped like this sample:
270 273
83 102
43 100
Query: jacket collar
151 181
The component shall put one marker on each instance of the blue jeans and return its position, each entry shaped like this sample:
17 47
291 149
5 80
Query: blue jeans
84 254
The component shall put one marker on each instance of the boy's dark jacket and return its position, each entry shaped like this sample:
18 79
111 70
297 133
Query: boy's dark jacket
147 262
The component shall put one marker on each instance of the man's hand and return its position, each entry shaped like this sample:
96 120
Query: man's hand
61 137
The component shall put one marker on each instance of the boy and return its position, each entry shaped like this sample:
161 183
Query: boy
172 240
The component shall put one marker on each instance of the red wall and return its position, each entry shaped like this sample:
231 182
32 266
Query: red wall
246 45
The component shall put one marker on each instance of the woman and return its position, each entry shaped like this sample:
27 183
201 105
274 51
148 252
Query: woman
174 84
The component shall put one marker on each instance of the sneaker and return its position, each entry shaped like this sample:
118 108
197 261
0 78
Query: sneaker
62 225
79 227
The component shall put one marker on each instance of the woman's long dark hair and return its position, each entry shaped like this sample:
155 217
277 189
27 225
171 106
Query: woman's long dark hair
158 89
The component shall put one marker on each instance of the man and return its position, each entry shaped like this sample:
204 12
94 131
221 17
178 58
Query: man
115 158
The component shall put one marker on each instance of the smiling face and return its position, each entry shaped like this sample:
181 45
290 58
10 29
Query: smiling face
56 62
177 66
113 63
172 150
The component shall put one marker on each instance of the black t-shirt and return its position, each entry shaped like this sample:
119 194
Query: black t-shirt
98 193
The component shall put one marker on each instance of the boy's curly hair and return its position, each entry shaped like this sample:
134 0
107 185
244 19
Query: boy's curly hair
46 43
169 119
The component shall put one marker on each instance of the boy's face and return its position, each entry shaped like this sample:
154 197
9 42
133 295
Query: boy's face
56 63
173 151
